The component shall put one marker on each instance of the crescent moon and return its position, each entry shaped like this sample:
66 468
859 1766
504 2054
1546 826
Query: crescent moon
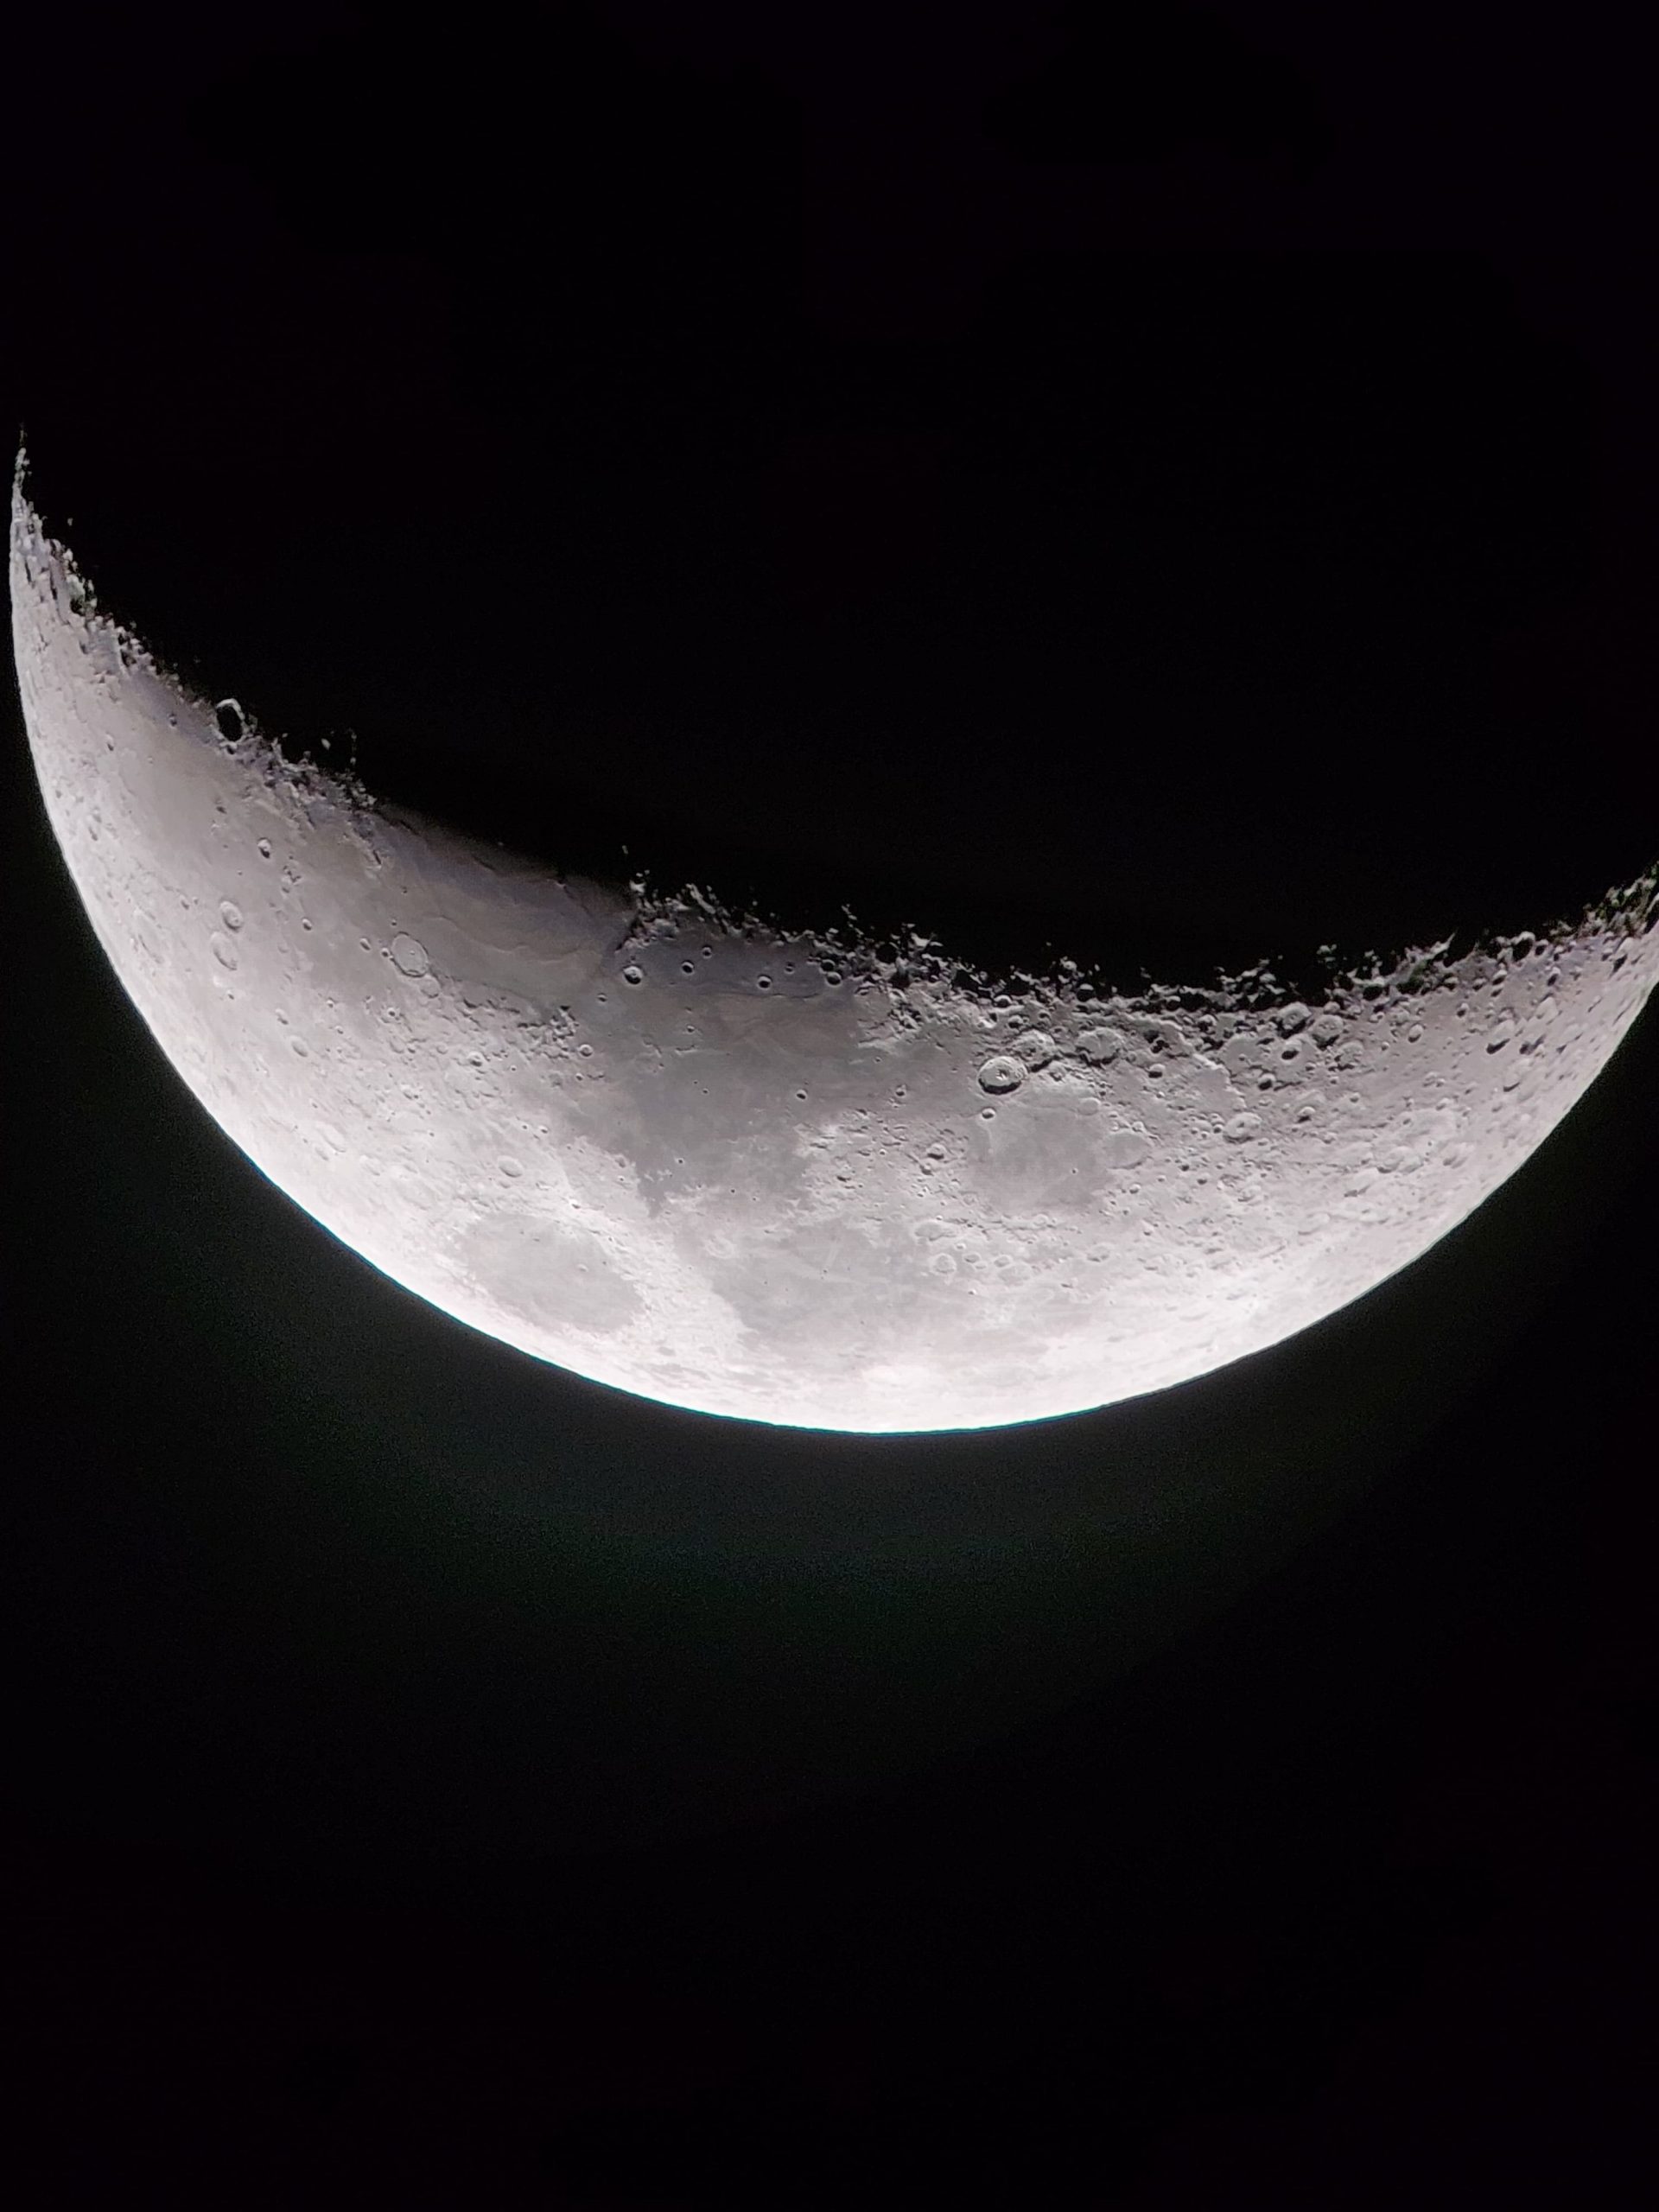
786 1176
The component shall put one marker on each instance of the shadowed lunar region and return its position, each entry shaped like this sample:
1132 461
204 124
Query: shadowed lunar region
790 1176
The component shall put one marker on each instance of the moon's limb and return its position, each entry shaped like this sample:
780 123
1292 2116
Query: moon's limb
780 1177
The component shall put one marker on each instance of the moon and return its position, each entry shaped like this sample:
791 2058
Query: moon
789 1176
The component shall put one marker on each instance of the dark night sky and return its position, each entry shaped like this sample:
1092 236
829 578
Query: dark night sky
1173 487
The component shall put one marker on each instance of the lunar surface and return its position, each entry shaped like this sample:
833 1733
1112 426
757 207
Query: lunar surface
785 1176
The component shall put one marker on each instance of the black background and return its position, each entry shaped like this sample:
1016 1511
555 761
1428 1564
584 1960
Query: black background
1168 488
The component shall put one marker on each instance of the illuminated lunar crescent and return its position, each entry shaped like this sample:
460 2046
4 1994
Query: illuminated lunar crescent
785 1177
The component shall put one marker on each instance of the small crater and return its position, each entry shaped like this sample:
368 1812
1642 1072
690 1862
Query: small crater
1100 1047
230 914
409 955
633 976
223 951
1001 1073
1241 1128
1124 1148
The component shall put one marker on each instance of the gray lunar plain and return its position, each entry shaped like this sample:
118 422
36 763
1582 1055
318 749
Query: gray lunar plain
795 1179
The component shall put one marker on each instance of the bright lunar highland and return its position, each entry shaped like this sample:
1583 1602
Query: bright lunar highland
788 1176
